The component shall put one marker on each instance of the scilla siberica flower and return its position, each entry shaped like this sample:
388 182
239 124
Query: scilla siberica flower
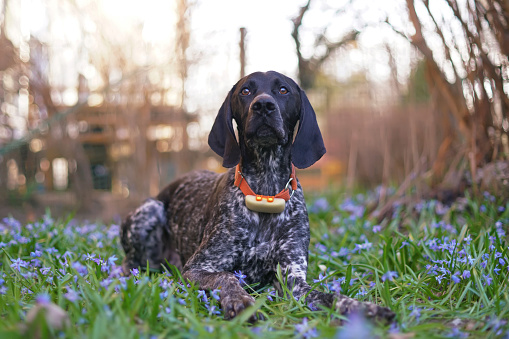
389 275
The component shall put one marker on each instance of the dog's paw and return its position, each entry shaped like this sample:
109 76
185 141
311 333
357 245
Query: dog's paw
234 303
346 305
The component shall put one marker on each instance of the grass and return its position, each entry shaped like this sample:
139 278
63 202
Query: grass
444 271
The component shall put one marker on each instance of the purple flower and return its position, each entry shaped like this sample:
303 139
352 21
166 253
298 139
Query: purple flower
389 275
89 256
163 295
45 270
359 247
439 278
35 263
357 327
135 272
215 294
377 228
304 330
466 274
501 261
320 205
35 254
43 299
51 250
240 276
321 277
80 268
165 284
112 259
456 333
18 263
487 279
212 309
106 283
455 279
416 312
404 243
71 295
202 296
468 239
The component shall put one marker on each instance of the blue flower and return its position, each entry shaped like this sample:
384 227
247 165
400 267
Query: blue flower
72 295
359 247
35 254
18 263
43 298
404 243
163 295
357 327
377 228
468 239
304 330
89 256
215 294
488 280
466 274
455 279
456 333
439 278
202 296
80 268
212 309
240 276
165 284
106 283
321 277
389 275
416 312
320 205
112 259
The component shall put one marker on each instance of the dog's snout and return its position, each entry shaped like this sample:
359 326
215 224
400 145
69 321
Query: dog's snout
264 105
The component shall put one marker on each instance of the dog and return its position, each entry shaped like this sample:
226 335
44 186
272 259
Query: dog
251 218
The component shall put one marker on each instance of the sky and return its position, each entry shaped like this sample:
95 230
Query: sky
214 48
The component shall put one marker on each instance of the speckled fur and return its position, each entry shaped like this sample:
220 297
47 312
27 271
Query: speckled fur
201 220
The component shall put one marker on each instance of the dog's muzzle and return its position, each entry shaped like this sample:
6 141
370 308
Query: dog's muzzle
265 118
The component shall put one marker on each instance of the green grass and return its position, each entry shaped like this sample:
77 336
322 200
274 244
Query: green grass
444 274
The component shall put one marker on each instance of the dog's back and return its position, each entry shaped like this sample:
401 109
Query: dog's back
173 216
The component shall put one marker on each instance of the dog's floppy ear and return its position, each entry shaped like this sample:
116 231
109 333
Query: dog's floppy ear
222 136
308 145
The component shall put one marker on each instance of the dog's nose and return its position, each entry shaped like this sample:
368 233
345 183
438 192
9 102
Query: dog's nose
263 105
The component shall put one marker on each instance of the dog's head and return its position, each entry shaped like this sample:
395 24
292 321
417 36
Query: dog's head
266 108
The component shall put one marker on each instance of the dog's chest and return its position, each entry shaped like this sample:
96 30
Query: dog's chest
259 249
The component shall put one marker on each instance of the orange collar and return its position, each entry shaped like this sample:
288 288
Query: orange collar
284 194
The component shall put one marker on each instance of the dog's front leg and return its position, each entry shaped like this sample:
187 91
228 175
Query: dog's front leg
234 299
294 267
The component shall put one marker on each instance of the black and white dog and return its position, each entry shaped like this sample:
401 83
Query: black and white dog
252 217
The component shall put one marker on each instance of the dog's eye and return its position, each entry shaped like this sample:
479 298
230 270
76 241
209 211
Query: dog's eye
245 91
283 90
